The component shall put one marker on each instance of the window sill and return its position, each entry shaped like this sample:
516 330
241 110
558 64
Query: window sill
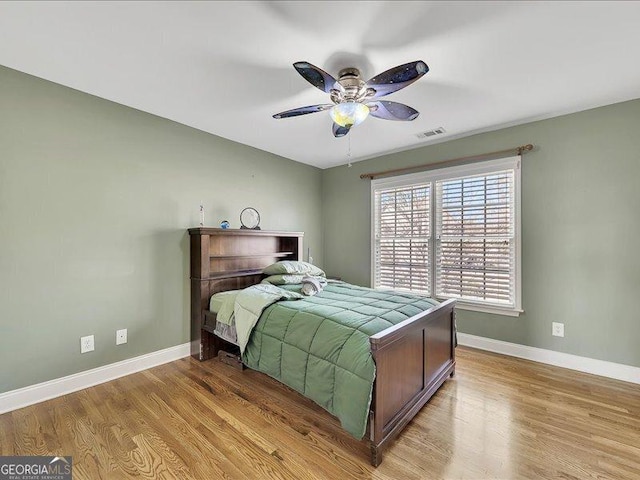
509 312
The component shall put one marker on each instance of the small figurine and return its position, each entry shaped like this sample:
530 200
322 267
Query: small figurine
224 224
201 214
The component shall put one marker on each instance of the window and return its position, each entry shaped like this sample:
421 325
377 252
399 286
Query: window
451 233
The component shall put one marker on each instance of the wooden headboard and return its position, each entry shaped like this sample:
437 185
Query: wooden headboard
230 259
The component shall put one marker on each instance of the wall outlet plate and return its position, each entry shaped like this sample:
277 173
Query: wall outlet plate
121 336
87 344
557 329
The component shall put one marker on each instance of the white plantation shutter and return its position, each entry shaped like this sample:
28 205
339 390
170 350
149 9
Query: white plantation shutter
475 231
451 233
402 238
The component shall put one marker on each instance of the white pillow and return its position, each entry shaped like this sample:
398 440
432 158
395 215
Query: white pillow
293 267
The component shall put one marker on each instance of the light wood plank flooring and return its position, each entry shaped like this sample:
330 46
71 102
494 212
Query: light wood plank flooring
499 417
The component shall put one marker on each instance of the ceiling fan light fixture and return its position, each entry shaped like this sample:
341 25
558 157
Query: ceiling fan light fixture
349 114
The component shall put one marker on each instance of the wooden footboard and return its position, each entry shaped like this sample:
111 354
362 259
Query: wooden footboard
412 360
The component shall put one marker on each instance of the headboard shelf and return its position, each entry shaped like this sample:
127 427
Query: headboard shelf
255 255
230 259
245 273
242 231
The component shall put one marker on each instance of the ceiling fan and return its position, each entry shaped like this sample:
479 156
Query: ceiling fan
353 99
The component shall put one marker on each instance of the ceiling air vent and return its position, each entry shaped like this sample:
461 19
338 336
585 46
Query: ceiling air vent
431 133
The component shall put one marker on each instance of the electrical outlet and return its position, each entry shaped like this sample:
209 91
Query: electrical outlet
86 344
557 329
121 336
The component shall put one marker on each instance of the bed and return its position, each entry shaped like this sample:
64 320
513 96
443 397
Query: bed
413 357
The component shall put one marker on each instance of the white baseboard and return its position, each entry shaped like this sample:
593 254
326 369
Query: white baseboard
40 392
618 371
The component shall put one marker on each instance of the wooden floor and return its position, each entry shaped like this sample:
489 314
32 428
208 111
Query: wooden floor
499 417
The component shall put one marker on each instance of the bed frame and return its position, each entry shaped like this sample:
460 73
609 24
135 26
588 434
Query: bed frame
412 358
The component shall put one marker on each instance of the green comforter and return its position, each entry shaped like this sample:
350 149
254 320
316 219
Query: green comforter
320 347
249 304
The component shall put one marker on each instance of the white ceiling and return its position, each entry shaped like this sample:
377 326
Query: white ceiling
226 67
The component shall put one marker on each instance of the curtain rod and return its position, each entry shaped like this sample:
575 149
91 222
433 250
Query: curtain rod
521 150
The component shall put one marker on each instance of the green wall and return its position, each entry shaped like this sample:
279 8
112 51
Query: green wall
95 200
580 227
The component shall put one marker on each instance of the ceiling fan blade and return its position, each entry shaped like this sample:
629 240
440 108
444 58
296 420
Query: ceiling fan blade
339 131
316 76
303 110
397 78
392 110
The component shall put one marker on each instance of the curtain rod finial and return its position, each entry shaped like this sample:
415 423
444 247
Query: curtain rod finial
525 148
